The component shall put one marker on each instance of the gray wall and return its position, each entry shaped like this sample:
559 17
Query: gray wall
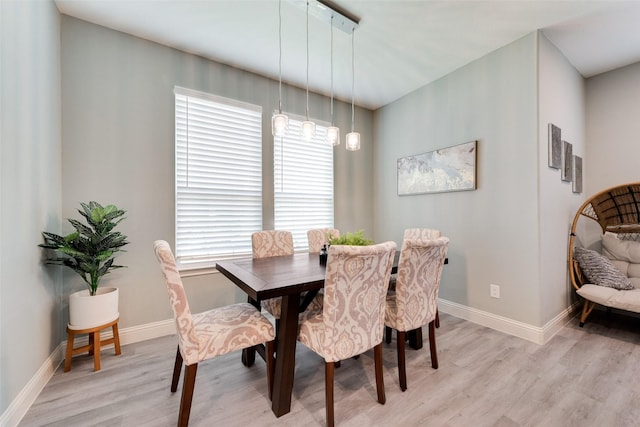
493 230
561 102
613 128
118 147
30 190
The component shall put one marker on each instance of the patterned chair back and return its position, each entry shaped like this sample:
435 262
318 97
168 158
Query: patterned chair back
418 280
320 236
187 340
270 243
356 283
421 233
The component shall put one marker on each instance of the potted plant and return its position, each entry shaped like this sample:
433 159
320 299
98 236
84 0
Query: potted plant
90 251
352 239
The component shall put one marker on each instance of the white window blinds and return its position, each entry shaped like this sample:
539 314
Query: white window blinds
218 177
303 183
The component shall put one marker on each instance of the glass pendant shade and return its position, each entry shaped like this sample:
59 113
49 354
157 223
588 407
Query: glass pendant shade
308 130
353 141
279 124
333 135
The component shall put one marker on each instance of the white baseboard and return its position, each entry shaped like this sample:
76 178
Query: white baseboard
21 404
538 335
23 401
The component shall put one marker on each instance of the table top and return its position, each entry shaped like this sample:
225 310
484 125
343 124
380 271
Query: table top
271 277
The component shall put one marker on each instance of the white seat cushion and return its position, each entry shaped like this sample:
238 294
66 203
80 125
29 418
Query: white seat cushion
610 297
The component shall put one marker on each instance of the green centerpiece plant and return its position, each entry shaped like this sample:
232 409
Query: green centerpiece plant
351 239
90 250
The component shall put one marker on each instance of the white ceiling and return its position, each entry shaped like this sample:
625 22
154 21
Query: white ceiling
400 45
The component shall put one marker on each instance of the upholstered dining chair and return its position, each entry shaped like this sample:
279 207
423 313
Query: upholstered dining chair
212 333
352 318
420 234
414 303
268 243
318 237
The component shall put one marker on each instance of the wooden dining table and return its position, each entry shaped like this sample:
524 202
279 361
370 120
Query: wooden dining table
287 277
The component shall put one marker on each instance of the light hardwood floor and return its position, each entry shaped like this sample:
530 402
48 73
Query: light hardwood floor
583 377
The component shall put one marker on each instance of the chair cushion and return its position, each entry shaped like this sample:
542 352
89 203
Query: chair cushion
601 271
230 328
609 297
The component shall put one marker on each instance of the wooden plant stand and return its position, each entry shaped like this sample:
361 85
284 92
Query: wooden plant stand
94 343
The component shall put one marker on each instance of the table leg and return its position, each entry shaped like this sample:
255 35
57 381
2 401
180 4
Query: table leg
285 355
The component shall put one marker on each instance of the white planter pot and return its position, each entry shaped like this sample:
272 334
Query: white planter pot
86 311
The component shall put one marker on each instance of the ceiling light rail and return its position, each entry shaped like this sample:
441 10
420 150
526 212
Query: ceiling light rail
325 10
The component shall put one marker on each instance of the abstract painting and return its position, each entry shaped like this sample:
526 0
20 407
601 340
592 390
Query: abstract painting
555 146
577 174
567 161
447 169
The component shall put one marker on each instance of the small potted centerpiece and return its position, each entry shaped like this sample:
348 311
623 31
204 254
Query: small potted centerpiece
351 239
90 251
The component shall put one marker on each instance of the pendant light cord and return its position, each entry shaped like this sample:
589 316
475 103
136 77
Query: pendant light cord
280 57
353 82
307 60
331 69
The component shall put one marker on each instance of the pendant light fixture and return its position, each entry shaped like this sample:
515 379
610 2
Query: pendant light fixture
333 132
279 121
353 138
308 128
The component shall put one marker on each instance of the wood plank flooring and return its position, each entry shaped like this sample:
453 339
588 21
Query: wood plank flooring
583 377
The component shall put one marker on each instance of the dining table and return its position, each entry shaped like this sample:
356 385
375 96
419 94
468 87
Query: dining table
280 276
287 276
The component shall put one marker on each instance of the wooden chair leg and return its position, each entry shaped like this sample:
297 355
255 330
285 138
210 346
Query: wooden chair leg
270 366
328 390
67 359
432 344
587 308
96 350
377 355
387 334
437 318
402 370
187 394
177 367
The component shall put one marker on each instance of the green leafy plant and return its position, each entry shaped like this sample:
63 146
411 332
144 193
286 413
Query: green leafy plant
90 250
352 239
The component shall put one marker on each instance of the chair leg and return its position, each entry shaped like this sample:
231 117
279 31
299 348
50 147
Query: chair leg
402 369
377 355
328 390
587 308
187 394
177 367
387 334
432 344
437 318
270 366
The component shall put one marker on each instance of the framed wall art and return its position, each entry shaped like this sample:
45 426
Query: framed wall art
555 146
576 177
446 169
567 161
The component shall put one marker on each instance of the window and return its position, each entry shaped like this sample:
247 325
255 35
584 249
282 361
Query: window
218 177
303 183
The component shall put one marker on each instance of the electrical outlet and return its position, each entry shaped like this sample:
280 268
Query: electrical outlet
494 291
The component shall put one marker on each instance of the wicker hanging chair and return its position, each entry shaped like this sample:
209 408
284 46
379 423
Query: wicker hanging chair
616 210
